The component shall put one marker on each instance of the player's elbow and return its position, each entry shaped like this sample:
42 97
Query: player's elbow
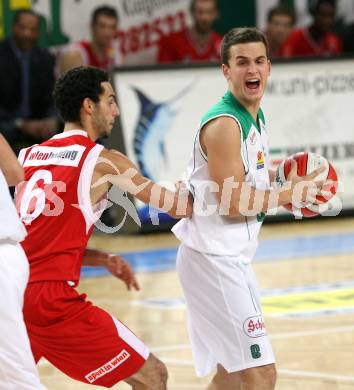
182 206
229 206
20 176
241 208
232 212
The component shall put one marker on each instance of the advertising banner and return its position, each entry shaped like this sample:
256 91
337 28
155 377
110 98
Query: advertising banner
141 23
308 106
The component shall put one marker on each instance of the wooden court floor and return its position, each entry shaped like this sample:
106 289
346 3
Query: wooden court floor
313 351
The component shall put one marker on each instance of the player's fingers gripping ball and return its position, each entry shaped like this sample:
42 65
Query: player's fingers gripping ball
307 163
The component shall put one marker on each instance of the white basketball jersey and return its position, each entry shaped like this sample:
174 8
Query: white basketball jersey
10 225
208 231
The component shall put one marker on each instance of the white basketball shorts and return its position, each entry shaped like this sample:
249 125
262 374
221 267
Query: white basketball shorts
17 366
225 321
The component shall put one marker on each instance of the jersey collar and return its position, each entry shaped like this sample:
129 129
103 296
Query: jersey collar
70 133
231 97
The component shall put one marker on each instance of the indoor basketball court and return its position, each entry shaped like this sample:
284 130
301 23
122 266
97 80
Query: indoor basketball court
153 107
305 271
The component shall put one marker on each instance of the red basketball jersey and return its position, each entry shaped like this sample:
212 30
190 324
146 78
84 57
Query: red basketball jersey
180 47
54 204
111 59
300 44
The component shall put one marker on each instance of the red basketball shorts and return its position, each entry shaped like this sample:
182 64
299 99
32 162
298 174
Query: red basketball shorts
81 340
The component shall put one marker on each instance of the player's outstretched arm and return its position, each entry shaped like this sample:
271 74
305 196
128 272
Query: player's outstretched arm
9 164
221 141
115 264
114 168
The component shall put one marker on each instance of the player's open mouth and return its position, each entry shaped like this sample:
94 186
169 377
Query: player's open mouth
253 84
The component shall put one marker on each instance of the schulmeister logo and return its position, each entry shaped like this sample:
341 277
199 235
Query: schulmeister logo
254 327
49 155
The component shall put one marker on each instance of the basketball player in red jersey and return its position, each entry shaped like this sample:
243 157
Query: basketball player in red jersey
67 178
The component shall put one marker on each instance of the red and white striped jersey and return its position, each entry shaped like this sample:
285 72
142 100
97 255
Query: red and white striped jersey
55 206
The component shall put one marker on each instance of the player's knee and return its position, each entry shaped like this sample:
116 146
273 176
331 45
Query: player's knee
270 375
157 374
260 378
152 375
220 381
161 371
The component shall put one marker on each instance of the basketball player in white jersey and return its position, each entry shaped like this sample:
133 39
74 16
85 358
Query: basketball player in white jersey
229 172
17 366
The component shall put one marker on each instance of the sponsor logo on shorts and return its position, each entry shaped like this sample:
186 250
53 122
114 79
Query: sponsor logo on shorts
255 351
108 367
254 327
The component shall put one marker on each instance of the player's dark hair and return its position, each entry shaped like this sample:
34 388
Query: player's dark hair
315 5
193 2
74 86
282 10
240 35
104 10
23 11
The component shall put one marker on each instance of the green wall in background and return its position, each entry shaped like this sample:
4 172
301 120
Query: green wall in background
236 13
48 37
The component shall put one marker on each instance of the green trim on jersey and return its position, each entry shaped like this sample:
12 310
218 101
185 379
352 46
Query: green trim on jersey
230 106
261 116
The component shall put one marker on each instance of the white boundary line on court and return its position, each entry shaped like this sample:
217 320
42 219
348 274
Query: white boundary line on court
317 375
305 333
168 348
278 336
281 371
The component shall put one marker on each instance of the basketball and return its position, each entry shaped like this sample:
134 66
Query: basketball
307 162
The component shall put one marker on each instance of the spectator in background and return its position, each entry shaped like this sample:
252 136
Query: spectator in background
197 43
100 51
280 23
27 113
318 39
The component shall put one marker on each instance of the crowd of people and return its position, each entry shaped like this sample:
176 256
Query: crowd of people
28 72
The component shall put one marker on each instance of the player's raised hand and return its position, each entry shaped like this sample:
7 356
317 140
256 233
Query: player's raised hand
120 268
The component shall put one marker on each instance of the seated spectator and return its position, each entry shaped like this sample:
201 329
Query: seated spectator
280 23
318 39
100 51
197 43
27 113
